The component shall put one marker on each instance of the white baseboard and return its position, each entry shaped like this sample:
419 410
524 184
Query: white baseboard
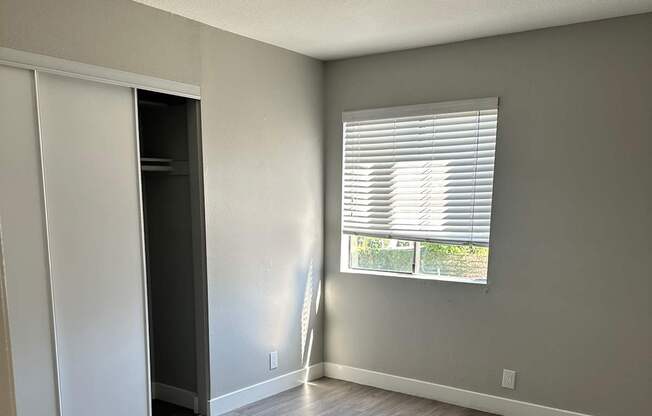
447 394
175 395
251 394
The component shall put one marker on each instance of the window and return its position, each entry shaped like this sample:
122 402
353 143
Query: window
417 185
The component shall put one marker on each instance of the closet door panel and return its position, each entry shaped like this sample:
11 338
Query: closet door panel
26 279
88 136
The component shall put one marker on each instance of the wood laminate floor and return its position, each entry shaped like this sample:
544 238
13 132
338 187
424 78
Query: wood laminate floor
328 397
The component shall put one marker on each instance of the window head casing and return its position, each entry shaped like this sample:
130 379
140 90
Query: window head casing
422 177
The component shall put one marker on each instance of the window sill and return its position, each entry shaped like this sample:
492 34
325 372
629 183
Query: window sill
411 276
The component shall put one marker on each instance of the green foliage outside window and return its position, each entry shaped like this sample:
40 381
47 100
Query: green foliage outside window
381 254
454 260
434 259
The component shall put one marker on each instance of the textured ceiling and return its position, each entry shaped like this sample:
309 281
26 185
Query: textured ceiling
331 29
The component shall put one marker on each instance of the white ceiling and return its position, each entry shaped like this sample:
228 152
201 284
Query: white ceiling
331 29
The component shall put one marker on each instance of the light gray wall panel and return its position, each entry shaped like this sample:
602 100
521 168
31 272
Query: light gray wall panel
569 301
25 257
92 202
119 34
261 127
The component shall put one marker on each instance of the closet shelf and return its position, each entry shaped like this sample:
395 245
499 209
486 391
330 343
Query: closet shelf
146 168
153 103
155 160
164 165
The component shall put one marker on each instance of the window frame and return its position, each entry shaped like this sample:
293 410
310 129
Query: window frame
345 266
404 111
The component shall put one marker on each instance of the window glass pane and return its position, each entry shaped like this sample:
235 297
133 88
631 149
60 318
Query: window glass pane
454 260
381 254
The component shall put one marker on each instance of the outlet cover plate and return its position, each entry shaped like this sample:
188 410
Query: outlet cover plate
509 379
273 360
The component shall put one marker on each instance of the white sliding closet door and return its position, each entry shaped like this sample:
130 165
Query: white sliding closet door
26 279
88 134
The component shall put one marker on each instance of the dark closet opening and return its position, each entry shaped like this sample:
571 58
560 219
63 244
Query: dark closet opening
172 189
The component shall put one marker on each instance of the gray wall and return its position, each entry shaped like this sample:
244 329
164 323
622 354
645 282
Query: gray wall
262 129
117 34
262 133
569 300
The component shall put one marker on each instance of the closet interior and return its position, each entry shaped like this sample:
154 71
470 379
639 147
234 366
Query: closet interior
170 160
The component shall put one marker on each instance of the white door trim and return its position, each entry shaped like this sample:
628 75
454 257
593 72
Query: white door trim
143 251
46 225
43 63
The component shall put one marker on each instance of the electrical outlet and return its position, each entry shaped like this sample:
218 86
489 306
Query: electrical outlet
273 360
509 379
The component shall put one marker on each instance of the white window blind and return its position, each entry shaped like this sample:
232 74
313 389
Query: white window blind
421 173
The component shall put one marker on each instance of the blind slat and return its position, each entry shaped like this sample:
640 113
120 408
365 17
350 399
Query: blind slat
419 163
421 177
451 122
